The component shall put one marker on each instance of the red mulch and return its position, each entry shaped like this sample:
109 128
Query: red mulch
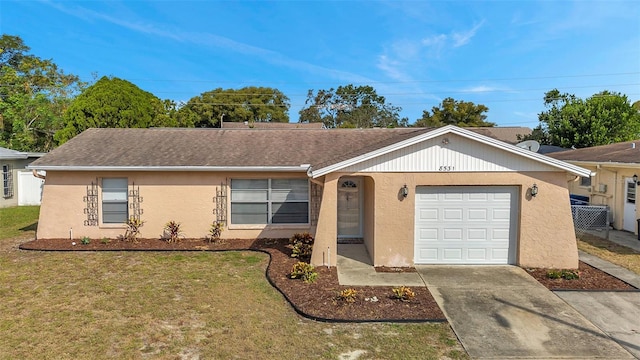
590 279
317 300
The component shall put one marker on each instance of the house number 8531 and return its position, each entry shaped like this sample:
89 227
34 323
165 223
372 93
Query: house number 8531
446 168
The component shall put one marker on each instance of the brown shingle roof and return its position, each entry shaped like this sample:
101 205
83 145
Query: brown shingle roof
173 147
624 152
508 134
270 125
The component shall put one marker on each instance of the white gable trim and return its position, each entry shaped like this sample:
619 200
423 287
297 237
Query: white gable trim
450 129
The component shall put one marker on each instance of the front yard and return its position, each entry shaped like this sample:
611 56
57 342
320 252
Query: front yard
173 305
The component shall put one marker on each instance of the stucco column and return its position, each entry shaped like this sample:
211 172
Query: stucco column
325 247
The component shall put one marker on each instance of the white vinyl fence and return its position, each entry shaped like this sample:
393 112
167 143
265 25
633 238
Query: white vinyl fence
29 189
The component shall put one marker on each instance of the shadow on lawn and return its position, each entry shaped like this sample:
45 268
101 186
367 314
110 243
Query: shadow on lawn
32 227
608 245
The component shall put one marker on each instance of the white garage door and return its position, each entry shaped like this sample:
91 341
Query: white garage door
465 224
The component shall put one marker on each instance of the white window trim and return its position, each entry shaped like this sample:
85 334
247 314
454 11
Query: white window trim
101 223
270 226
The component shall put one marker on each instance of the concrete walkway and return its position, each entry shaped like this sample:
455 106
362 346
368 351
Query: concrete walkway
355 269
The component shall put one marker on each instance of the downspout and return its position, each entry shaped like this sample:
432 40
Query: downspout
38 175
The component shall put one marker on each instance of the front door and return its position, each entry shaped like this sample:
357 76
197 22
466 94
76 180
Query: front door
629 219
349 205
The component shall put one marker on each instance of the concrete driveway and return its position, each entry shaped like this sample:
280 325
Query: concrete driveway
615 313
500 312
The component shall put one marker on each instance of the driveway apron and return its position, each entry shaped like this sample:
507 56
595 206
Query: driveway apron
500 312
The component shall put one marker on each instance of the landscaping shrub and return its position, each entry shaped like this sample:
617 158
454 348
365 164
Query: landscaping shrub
347 295
133 229
302 245
215 231
403 293
563 274
304 271
85 241
172 231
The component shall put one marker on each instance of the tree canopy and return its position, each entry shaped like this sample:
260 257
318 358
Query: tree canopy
604 118
251 104
455 112
114 103
34 94
350 107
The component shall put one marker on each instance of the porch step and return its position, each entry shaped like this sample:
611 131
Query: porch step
350 241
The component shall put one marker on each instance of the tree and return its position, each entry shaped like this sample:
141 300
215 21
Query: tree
350 107
601 119
452 112
251 104
34 94
114 103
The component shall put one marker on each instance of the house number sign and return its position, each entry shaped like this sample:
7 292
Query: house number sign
447 168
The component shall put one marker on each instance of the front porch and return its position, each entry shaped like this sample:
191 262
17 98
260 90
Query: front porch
355 268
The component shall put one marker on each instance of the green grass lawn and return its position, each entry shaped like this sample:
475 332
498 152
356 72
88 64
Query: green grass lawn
18 221
610 251
137 305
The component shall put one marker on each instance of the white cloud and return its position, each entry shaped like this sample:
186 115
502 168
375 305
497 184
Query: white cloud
462 38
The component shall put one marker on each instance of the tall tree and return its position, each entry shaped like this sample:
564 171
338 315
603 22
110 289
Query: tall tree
351 107
601 119
251 104
114 103
452 112
34 94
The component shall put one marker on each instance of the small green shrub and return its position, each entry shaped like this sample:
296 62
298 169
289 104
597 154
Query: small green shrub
105 240
403 293
172 231
301 245
563 274
133 229
85 240
215 231
348 295
304 271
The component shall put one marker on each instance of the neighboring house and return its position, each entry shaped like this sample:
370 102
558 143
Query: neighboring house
270 125
508 134
613 183
411 195
19 186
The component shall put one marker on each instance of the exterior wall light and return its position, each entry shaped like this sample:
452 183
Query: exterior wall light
404 191
534 190
635 179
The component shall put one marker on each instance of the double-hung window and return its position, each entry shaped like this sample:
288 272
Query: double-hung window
269 201
114 201
7 181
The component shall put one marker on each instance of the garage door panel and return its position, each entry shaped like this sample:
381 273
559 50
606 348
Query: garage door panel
466 224
452 214
428 214
476 234
477 214
451 234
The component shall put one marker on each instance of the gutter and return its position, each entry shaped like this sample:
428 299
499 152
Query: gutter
301 168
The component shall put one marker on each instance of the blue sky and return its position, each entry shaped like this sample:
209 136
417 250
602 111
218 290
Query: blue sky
503 54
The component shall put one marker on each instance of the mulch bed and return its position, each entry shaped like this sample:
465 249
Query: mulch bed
590 279
387 269
317 300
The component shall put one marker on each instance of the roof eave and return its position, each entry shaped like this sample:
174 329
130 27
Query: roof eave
300 168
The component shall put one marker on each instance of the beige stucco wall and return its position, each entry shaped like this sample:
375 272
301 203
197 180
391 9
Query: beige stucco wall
545 230
185 197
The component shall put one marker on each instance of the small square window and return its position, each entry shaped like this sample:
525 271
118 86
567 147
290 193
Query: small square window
585 181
